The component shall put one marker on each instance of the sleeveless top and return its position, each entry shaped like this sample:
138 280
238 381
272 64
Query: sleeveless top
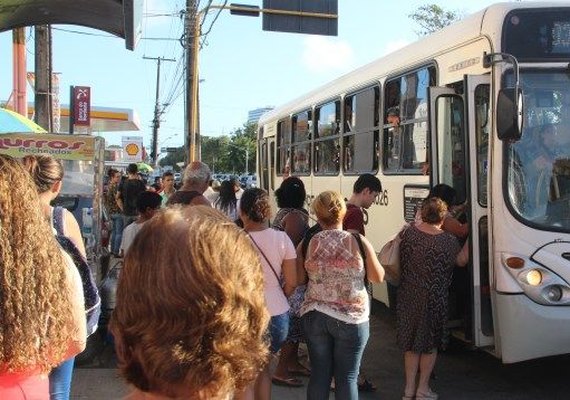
336 278
283 212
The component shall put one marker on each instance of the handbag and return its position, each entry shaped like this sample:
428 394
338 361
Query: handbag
389 257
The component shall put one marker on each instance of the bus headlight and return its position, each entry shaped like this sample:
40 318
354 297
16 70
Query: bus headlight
539 283
533 277
553 293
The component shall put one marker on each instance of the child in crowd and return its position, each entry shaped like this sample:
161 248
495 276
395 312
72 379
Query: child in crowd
147 205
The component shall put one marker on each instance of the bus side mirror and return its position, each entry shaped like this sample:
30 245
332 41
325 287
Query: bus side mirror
510 114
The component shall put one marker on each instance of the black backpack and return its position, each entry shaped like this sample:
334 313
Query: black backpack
90 291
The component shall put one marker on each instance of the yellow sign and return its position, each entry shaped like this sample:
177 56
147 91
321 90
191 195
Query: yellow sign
132 149
63 147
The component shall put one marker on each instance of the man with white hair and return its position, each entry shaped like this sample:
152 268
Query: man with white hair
194 184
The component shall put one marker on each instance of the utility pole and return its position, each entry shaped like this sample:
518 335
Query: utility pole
157 110
191 45
43 69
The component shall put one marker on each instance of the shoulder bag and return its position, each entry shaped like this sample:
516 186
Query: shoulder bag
389 257
281 283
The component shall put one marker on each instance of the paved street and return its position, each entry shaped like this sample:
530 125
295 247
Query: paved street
461 373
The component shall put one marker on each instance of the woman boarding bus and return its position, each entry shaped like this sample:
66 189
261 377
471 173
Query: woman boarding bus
469 104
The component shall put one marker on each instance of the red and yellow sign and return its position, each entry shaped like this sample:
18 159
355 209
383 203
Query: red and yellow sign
63 147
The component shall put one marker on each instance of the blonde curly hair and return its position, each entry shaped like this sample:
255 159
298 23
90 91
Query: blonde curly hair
190 315
35 308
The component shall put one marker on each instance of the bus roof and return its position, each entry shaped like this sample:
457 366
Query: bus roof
482 23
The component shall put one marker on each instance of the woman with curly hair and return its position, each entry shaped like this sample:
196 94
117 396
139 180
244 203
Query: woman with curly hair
47 174
190 316
278 256
42 319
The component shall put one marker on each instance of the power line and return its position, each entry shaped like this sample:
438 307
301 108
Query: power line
109 36
204 36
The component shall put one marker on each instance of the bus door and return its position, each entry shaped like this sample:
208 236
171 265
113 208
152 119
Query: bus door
459 132
266 166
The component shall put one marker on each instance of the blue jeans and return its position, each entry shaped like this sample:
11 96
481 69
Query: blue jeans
116 232
60 380
278 330
335 349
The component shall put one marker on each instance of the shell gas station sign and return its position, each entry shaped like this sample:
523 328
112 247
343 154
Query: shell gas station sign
63 147
132 148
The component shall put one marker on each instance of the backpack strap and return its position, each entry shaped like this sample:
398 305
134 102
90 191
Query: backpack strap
312 231
360 246
57 220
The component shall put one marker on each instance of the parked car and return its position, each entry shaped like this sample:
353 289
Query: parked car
248 181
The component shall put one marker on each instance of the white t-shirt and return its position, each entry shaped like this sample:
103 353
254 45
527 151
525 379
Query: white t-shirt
277 247
211 195
129 235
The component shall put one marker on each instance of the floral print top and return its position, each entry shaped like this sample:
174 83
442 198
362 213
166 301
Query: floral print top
110 200
336 277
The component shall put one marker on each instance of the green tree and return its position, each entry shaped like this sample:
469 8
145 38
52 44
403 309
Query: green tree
244 138
224 153
432 18
174 158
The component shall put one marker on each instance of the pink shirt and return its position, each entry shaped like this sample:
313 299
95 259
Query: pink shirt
277 247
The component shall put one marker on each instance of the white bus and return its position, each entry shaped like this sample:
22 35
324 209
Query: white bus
484 105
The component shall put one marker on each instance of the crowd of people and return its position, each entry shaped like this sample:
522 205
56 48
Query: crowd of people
214 286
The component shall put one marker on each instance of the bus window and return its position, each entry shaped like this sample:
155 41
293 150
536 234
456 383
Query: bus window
482 126
405 143
301 148
327 143
284 146
538 165
450 124
361 132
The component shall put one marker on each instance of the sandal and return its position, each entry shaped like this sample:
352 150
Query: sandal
290 382
366 386
429 395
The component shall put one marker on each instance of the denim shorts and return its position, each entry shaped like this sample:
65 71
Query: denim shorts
278 330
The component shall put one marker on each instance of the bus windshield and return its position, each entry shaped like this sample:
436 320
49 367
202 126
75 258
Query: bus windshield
538 166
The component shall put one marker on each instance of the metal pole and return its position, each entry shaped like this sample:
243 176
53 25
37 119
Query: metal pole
246 160
19 98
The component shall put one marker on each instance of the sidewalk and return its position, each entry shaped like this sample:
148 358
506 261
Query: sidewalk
99 380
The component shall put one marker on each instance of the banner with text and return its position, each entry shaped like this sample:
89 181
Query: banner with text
63 147
132 148
82 105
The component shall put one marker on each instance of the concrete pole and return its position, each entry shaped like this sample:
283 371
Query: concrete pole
43 68
157 110
191 43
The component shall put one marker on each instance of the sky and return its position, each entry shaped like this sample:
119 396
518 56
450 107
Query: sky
241 66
